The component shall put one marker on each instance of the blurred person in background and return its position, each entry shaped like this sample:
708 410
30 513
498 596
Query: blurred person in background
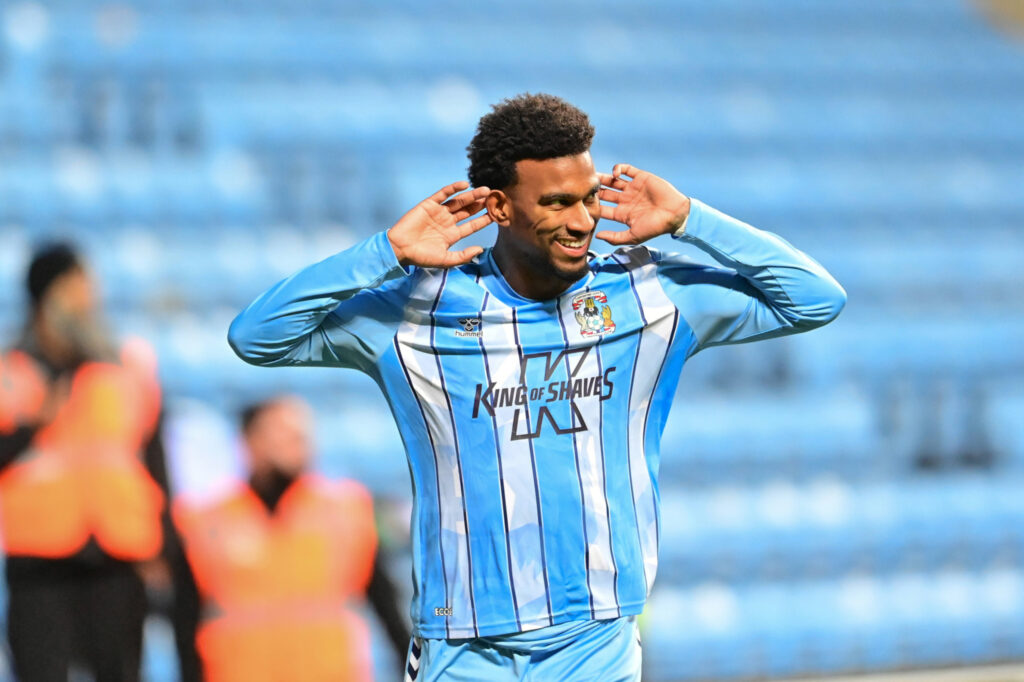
80 512
275 566
531 383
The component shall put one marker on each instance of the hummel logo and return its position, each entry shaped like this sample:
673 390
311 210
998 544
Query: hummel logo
470 327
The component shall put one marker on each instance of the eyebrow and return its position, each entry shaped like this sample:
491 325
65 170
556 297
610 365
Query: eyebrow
566 196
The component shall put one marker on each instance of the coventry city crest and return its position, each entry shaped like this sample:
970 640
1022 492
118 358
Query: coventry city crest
593 313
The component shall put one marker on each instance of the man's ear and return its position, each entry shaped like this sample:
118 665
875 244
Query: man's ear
499 207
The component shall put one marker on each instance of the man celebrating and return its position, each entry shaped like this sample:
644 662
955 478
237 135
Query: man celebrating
534 438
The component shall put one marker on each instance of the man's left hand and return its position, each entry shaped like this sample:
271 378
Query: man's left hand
648 205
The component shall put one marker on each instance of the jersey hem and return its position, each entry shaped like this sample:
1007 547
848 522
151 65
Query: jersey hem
511 627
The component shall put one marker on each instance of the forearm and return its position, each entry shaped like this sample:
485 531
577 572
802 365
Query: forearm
283 325
384 598
796 287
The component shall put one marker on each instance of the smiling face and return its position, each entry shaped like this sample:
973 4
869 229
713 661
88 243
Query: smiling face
546 223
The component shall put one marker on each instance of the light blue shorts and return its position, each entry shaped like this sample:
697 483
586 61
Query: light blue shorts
599 650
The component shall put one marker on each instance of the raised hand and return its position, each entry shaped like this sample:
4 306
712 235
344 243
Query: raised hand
648 205
424 235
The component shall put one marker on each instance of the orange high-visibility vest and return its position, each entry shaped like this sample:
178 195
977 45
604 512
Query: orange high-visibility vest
277 588
82 475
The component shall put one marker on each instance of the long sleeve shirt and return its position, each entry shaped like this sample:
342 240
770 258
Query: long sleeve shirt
533 428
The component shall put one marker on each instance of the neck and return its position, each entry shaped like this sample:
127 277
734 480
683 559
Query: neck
525 278
270 486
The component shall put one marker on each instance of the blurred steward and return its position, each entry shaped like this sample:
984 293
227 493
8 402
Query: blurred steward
80 514
276 565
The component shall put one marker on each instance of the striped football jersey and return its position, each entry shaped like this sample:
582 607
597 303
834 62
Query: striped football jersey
533 428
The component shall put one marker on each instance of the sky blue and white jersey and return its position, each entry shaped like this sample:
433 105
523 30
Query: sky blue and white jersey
533 428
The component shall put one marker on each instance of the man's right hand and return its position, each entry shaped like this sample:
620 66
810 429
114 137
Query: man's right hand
424 235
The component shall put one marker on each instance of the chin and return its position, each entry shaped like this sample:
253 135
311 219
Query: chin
572 272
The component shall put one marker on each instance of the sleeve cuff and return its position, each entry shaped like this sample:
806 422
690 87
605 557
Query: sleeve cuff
386 254
693 218
367 264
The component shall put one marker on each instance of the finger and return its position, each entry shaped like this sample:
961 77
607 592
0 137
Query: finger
447 191
462 257
475 225
617 238
609 213
624 169
611 195
611 181
470 209
458 202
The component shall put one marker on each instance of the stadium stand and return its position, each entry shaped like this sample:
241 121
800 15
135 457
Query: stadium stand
847 500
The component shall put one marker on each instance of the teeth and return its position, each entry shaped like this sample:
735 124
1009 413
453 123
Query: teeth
571 245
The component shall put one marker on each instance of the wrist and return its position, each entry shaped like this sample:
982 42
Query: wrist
680 212
397 250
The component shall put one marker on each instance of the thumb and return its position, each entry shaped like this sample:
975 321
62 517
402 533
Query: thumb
617 238
462 257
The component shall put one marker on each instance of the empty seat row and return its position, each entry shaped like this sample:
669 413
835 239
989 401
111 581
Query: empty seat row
855 623
827 525
311 39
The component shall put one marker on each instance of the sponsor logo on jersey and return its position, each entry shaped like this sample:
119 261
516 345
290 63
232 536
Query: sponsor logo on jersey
593 313
543 397
470 327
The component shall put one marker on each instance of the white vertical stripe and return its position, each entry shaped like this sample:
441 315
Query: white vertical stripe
412 663
417 353
521 505
601 572
659 312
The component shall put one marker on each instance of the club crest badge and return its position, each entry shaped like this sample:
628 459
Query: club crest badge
593 313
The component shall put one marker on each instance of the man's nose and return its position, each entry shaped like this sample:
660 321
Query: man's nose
582 220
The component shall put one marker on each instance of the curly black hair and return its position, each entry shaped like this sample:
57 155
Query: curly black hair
525 127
